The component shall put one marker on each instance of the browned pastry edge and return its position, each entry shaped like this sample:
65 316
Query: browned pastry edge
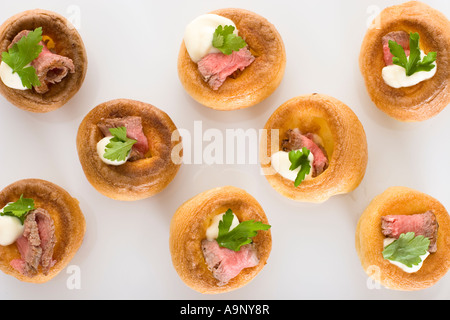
68 43
427 98
369 239
188 228
68 219
344 141
132 180
256 82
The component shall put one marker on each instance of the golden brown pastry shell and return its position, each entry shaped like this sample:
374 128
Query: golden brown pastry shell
68 219
427 98
256 82
68 43
344 141
137 179
369 239
188 229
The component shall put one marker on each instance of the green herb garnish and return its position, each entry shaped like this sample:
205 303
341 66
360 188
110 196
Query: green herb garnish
226 41
240 235
119 146
21 54
18 209
407 249
413 63
299 158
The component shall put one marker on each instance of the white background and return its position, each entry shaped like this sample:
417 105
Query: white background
132 49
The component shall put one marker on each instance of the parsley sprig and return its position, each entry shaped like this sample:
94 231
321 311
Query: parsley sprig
18 209
299 158
240 235
21 54
413 63
407 249
226 41
119 146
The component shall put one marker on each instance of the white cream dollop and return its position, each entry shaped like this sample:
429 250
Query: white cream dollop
101 146
395 76
213 230
414 268
11 229
10 79
280 163
198 35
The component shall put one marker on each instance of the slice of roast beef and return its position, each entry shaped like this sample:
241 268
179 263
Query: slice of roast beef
424 224
46 229
36 244
401 37
225 264
134 131
216 67
50 68
29 245
295 140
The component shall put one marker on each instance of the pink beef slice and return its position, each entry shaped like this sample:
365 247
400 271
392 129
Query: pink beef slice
424 224
50 67
134 131
36 244
225 264
29 245
401 37
216 67
295 140
46 230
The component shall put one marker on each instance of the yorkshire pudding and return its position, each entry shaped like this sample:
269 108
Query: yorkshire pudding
427 98
137 179
252 85
68 221
343 140
369 239
67 42
188 229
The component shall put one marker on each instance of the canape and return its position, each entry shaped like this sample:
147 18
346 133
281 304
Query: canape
314 147
42 227
219 240
126 149
403 239
44 61
405 63
231 59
